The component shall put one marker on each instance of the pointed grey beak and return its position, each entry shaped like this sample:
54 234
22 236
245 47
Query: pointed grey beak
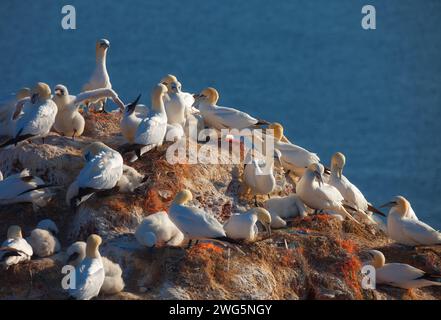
58 92
268 228
389 204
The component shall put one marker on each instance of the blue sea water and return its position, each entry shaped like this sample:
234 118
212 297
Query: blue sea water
374 95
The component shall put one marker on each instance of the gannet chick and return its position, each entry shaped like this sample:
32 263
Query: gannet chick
151 131
282 208
90 272
113 281
243 226
100 78
195 223
43 239
130 180
258 176
39 117
222 117
103 170
24 187
14 249
69 121
7 109
351 194
401 275
294 158
158 230
406 230
318 195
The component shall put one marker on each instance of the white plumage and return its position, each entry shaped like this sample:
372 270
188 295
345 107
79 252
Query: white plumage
221 117
69 121
406 230
43 239
14 249
100 78
293 158
24 187
130 180
113 281
318 195
38 118
401 275
157 229
243 226
7 109
89 274
194 222
103 170
282 208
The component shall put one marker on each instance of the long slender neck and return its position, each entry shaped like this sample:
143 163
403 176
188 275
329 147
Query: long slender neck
335 171
92 252
101 58
158 104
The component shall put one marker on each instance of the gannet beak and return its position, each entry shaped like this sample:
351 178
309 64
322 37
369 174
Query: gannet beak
389 204
268 229
319 177
34 98
58 92
327 170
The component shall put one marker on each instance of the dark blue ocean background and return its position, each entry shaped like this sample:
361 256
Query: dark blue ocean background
374 95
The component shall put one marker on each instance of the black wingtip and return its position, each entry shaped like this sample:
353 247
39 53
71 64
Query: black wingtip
226 239
132 106
431 277
375 210
261 122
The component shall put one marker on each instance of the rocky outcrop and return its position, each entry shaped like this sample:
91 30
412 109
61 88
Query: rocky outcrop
318 257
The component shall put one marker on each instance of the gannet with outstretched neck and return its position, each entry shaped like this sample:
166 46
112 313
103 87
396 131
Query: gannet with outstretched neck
103 170
222 117
39 117
401 275
100 78
406 230
318 195
69 122
14 249
89 274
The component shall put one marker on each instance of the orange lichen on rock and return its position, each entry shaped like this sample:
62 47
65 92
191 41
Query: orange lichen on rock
153 202
350 270
204 247
348 245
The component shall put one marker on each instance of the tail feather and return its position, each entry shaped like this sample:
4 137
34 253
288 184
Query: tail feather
431 277
16 140
43 186
132 106
227 239
261 122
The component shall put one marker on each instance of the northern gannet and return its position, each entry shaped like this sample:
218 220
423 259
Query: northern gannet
39 116
151 130
176 104
14 249
7 109
157 229
406 230
258 176
195 223
100 78
188 97
282 208
243 226
318 195
69 122
399 274
103 170
222 117
131 119
90 272
113 281
294 158
351 194
43 239
24 187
